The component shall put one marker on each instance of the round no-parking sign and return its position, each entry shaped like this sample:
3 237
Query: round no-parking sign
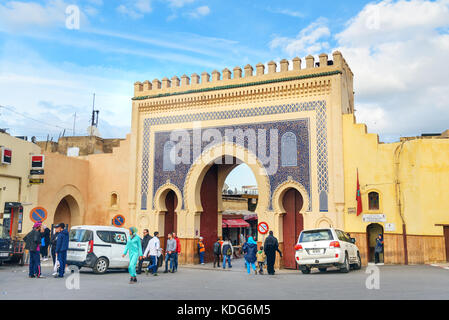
38 214
263 228
118 220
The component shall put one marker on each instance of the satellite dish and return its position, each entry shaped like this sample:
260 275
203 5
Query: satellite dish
93 131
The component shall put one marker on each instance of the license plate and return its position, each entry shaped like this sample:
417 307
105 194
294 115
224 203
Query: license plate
316 251
4 254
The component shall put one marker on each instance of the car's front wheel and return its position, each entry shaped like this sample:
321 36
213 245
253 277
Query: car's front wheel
101 265
345 267
305 270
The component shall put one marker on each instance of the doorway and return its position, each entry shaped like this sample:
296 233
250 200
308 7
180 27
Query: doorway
66 210
170 223
372 231
293 224
209 216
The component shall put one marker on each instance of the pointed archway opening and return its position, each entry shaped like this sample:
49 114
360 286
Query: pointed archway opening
67 209
170 218
293 224
218 218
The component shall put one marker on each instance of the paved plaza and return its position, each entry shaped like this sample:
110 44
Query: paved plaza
203 283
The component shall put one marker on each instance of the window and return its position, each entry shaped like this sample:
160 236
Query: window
316 235
114 200
118 237
104 236
343 236
80 235
373 201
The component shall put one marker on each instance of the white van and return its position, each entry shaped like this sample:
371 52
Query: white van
98 247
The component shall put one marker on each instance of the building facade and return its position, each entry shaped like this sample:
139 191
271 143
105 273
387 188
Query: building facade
17 195
293 124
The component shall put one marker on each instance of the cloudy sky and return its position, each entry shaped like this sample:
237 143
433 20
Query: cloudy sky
398 51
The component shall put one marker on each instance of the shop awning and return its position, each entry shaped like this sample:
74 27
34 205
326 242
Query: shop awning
235 223
250 217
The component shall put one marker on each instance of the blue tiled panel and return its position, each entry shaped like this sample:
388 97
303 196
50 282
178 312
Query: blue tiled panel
321 133
300 173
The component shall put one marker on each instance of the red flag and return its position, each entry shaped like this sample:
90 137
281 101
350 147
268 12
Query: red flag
358 196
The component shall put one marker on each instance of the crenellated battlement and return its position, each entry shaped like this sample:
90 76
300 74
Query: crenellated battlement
289 70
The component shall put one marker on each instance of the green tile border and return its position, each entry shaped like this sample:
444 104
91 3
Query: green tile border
232 86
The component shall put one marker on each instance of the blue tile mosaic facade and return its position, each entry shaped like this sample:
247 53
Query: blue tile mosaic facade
321 134
300 173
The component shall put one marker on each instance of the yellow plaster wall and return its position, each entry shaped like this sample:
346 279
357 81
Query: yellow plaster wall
14 185
423 177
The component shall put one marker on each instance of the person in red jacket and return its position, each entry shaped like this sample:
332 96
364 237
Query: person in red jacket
178 251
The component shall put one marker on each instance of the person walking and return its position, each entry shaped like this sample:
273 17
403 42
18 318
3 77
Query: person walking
177 253
227 251
201 250
217 253
134 247
379 248
271 245
32 244
250 251
146 238
53 240
169 253
261 256
153 251
45 234
62 244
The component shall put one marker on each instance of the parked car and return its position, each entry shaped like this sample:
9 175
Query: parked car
325 248
98 247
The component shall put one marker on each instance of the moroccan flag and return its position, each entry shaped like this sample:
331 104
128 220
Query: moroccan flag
358 196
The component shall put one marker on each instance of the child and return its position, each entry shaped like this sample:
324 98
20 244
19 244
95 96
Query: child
261 259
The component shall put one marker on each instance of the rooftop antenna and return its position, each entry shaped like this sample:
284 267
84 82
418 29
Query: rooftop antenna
94 122
74 121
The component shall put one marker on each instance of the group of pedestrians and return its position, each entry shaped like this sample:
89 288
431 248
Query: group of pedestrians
37 242
149 249
264 255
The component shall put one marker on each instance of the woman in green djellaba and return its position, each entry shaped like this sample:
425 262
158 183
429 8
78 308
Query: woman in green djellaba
134 247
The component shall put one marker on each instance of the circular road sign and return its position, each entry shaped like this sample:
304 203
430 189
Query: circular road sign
38 214
263 228
118 220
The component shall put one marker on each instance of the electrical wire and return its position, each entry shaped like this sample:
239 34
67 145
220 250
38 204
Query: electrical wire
28 117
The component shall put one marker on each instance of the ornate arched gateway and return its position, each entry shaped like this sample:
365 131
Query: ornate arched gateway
285 125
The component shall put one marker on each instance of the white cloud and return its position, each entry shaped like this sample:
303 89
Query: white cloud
398 51
20 15
310 40
56 91
199 12
179 3
23 17
287 12
135 9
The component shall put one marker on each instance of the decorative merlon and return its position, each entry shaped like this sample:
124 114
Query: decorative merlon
263 74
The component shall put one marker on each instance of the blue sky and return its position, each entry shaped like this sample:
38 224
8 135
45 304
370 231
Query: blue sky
397 50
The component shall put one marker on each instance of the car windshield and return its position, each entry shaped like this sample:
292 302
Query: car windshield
80 235
4 235
316 235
